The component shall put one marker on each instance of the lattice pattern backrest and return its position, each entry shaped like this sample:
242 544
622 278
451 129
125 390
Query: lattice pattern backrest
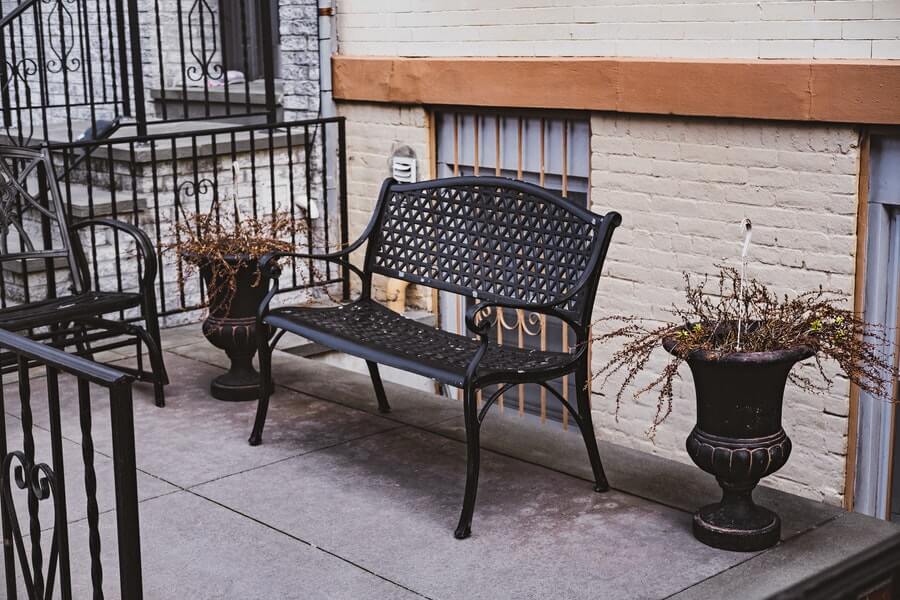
488 238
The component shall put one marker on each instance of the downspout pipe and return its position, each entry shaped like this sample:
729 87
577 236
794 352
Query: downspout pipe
327 45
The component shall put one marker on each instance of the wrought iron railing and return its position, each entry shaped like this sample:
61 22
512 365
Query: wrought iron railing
295 168
36 558
75 68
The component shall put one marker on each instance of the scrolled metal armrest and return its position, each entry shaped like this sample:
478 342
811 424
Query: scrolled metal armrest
483 326
141 238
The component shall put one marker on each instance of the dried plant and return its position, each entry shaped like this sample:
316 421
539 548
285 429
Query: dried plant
711 321
225 242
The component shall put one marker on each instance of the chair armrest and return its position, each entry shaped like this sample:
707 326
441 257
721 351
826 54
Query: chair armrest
143 243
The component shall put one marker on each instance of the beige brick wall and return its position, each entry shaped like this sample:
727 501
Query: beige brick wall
658 28
374 132
683 186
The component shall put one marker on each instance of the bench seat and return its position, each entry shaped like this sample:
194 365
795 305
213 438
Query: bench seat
371 331
65 308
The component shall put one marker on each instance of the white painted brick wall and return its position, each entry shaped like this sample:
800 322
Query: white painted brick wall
682 186
374 132
657 28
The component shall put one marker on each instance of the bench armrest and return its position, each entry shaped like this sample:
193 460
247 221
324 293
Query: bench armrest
143 242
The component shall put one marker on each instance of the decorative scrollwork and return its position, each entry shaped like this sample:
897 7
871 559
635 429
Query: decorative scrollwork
524 320
205 48
39 482
61 37
193 189
16 199
21 72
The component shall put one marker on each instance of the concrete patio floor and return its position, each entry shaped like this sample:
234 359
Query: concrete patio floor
342 502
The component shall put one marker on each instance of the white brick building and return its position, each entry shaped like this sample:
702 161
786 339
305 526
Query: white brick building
775 123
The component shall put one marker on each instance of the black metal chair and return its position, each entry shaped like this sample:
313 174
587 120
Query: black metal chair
33 215
504 243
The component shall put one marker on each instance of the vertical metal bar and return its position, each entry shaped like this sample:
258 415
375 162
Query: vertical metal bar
308 170
268 49
161 272
28 446
342 200
9 562
137 68
498 168
121 21
90 485
476 162
455 144
88 63
245 43
160 63
324 184
67 101
289 133
56 438
182 55
46 232
4 79
124 465
565 327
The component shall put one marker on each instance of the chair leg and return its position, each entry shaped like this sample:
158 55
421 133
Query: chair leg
383 406
473 462
265 383
160 376
154 349
587 428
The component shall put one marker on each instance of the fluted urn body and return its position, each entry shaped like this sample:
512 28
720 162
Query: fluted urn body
739 439
231 326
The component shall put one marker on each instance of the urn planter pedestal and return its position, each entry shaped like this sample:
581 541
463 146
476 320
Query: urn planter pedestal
739 439
233 329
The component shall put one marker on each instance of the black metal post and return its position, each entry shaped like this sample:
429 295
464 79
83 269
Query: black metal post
342 200
122 416
268 50
137 67
4 82
121 24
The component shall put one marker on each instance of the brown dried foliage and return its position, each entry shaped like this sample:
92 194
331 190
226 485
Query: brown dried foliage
709 322
226 242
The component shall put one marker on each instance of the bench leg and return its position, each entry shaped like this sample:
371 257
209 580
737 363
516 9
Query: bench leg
265 384
383 406
473 462
587 428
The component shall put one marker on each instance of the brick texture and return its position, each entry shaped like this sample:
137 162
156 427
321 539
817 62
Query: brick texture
683 186
662 28
374 132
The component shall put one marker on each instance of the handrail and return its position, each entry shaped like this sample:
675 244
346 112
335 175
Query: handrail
16 12
239 128
62 361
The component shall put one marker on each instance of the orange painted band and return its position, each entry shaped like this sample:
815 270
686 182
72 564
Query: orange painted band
865 92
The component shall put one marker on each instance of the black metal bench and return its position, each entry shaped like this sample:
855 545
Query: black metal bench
34 228
504 243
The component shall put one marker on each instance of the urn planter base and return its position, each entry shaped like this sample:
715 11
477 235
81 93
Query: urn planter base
737 524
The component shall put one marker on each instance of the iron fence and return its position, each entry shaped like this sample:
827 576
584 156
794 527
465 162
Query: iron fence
73 69
295 169
31 559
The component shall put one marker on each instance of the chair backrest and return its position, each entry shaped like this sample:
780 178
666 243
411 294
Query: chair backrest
32 217
491 238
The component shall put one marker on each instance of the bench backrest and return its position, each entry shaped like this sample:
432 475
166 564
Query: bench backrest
491 238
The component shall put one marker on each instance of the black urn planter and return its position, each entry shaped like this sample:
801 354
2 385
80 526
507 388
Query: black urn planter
739 439
232 328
